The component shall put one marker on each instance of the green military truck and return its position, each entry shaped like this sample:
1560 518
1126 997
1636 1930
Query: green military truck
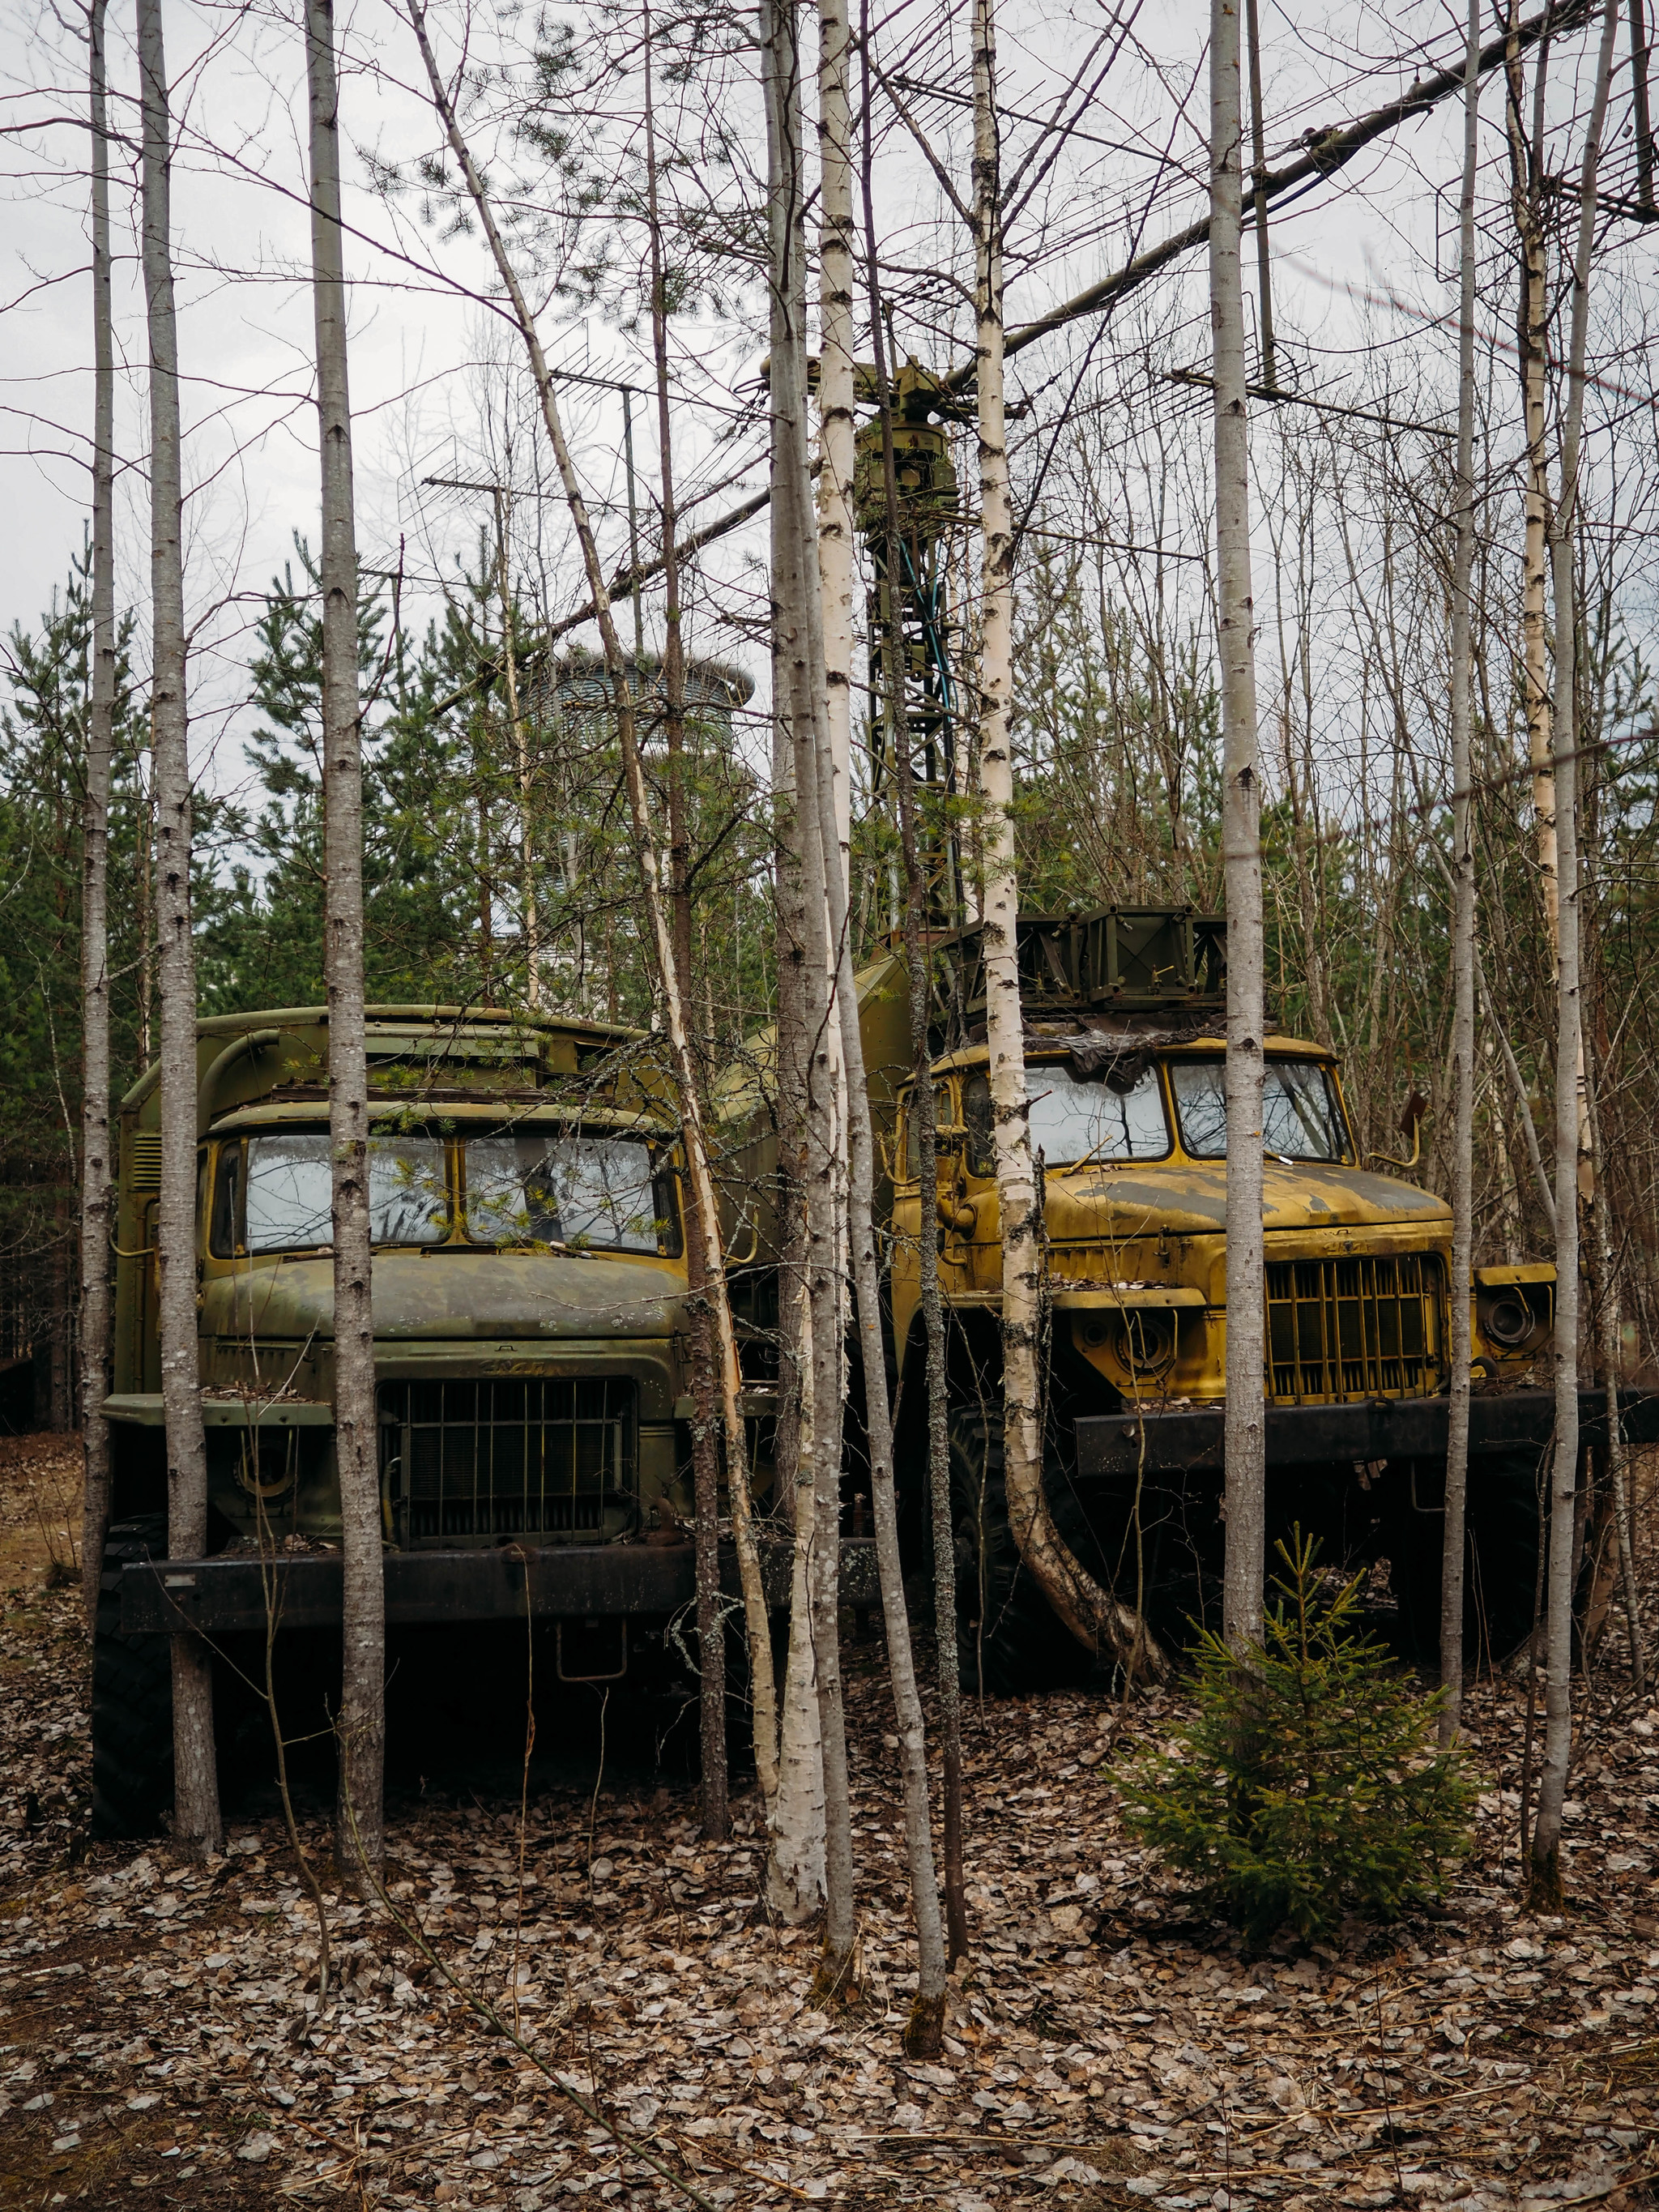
528 1288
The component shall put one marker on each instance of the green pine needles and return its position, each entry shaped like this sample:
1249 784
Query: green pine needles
1305 1785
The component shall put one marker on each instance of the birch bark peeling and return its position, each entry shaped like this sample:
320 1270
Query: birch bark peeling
763 1688
1245 1431
1463 926
1097 1618
195 1776
1546 1882
360 1823
97 1165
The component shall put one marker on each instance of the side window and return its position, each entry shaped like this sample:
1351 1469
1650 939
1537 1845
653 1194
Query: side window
912 1138
225 1233
976 1113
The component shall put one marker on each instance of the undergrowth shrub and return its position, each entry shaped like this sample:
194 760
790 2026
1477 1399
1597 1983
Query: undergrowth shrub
1306 1782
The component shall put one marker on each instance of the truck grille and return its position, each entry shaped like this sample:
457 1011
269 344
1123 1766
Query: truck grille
480 1461
1366 1327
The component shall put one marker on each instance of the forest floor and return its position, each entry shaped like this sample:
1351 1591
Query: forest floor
1104 2046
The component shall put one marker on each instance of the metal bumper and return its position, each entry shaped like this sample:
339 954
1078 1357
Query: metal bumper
1185 1441
578 1580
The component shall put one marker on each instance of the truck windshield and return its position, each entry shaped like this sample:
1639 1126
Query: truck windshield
1301 1119
589 1191
287 1202
1076 1119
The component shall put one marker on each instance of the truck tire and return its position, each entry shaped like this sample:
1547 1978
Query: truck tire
1504 1527
131 1698
1008 1639
1500 1576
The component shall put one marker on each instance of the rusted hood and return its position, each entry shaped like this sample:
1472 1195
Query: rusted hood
1189 1200
454 1295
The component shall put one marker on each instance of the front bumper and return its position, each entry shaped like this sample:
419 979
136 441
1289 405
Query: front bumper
583 1582
1187 1441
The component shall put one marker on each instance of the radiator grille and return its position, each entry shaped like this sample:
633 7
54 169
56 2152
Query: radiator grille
484 1461
1366 1327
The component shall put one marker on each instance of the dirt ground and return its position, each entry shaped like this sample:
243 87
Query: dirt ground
1105 2046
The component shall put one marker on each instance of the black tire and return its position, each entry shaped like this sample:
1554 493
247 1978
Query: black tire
131 1698
1008 1639
1504 1521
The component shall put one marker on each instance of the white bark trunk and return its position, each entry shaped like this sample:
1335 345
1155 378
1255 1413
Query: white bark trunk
1245 1423
97 1167
836 546
762 1683
795 1868
1564 1481
195 1776
1094 1616
823 1157
360 1840
1463 925
942 1520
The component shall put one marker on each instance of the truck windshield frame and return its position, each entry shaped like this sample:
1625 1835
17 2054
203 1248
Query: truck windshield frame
598 1191
576 1188
1075 1118
1301 1115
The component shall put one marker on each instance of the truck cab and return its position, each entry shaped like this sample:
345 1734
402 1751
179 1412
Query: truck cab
1125 1062
529 1279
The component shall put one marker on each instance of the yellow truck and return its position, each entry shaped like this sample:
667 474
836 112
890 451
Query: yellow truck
1124 1044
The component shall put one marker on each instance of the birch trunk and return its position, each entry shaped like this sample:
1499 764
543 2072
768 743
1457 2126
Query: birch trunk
97 1168
705 1223
924 2032
796 585
795 1878
527 900
195 1776
1618 1460
360 1821
1094 1616
1564 1480
922 1105
1245 1435
835 550
1532 337
1463 922
711 1634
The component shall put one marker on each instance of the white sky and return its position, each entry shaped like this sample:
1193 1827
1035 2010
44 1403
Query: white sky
245 335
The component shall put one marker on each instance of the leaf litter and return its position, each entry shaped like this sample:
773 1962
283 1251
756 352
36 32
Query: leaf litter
1106 2044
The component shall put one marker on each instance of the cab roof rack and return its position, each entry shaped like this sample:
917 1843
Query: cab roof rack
1120 959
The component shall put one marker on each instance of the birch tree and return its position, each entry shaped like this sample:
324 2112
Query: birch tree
1095 1616
97 1167
1464 924
1563 1478
819 1783
705 1456
360 1838
922 1110
705 1222
195 1776
836 379
1245 1433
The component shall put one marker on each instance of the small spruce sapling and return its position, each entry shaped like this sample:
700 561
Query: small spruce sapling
1305 1784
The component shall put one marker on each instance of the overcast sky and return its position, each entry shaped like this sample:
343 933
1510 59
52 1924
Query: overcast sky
245 331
